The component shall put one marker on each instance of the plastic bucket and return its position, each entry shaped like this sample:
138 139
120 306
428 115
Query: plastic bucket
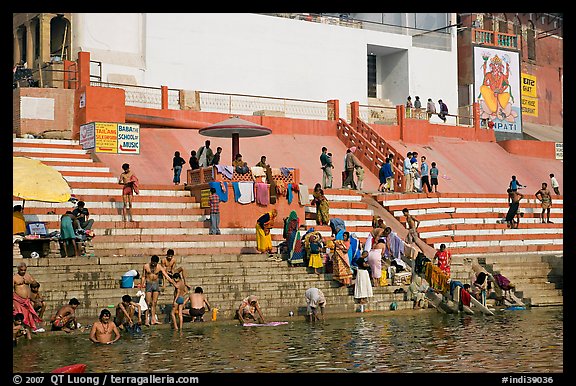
127 282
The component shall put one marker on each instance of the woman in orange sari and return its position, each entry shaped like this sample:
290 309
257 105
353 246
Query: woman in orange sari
263 236
341 270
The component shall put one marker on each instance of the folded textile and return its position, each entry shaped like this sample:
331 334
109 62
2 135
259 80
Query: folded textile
226 170
223 195
276 171
258 171
285 171
303 195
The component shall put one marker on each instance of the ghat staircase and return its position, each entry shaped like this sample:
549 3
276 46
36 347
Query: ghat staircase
226 266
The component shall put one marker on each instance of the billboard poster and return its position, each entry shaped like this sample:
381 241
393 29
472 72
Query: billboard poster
87 136
128 138
497 88
106 137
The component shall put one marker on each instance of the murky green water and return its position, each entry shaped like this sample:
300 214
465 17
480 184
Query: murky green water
511 341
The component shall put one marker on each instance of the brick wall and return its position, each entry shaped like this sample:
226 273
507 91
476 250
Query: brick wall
62 122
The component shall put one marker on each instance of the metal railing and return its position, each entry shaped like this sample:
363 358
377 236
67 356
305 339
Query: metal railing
144 96
371 149
151 97
260 105
383 115
387 115
420 37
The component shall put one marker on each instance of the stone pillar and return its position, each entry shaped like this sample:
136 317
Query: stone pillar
400 111
354 113
17 45
333 110
44 20
30 59
83 79
164 97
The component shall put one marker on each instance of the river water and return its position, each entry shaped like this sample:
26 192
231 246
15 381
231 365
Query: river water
527 341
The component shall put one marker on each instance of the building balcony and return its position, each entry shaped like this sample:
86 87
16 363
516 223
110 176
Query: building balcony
495 39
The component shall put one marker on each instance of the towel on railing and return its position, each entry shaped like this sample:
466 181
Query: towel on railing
262 194
223 195
258 171
286 171
226 170
246 190
289 194
276 171
303 195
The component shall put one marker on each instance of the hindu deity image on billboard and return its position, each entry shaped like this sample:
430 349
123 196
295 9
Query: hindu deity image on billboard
497 88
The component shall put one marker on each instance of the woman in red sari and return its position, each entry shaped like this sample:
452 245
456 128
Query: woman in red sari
341 270
443 259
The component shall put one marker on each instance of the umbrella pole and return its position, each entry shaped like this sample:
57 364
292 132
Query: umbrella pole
235 145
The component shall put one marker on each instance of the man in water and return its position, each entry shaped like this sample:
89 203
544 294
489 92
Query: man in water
169 264
315 300
198 304
248 309
150 281
21 301
103 329
65 318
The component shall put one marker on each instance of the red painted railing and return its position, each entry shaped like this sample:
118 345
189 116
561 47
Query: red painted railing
371 149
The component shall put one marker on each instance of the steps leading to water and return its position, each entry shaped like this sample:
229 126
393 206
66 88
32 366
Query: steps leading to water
226 280
470 223
165 216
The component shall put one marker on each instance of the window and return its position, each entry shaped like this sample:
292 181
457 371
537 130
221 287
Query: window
371 76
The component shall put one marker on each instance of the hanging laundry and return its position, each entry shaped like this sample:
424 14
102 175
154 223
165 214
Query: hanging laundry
246 190
262 194
226 170
222 194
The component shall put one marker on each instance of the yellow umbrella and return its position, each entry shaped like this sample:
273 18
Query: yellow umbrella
34 181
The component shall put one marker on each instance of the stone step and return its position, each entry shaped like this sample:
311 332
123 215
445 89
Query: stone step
504 250
495 239
406 200
488 229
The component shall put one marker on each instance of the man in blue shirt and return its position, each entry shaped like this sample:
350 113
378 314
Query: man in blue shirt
386 176
408 181
424 169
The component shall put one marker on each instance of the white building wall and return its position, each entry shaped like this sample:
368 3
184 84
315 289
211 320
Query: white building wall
260 55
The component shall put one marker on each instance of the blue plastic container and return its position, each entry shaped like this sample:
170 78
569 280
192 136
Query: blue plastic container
127 282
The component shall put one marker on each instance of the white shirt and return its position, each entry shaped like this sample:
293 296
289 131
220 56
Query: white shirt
554 182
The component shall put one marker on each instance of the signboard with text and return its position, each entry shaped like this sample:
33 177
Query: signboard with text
111 137
88 136
106 137
128 138
529 95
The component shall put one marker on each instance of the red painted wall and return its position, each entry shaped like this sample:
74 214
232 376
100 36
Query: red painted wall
538 149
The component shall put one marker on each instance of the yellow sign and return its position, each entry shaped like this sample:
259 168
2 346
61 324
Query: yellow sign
106 137
205 198
529 86
529 106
